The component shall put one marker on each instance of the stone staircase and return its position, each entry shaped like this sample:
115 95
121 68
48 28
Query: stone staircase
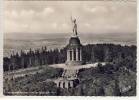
70 73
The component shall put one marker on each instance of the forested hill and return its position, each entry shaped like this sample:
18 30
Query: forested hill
91 53
117 78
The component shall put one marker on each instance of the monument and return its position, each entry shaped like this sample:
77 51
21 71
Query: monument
74 48
74 58
74 62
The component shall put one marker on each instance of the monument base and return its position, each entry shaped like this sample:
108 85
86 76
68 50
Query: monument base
73 63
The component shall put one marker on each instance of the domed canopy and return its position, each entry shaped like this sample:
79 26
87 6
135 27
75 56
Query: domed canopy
74 42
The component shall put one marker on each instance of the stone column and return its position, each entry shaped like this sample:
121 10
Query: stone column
77 59
66 84
61 84
72 55
57 83
71 83
80 55
68 55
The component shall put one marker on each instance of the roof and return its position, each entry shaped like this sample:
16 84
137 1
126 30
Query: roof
74 42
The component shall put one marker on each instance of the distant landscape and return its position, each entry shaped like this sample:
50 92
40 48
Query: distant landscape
30 73
17 41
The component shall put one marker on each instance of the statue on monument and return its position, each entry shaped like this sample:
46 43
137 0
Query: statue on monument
74 26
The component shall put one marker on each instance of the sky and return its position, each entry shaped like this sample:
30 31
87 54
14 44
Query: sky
95 17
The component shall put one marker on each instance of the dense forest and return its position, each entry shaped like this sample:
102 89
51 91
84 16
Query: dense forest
91 53
117 78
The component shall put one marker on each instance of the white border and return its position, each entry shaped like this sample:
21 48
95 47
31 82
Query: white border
59 97
1 47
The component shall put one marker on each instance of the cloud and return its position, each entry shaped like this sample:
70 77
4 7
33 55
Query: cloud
51 17
54 25
87 25
14 14
64 25
26 14
48 10
93 9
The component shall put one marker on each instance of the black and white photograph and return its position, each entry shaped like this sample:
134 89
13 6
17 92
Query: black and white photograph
70 48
